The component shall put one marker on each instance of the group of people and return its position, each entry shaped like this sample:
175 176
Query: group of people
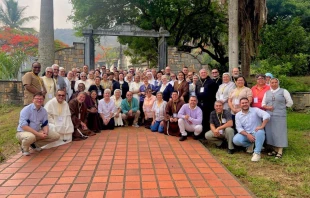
63 106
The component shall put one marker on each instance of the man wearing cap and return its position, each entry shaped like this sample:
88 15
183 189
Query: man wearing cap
269 76
259 91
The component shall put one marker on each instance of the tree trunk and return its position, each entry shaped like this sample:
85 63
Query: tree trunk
46 34
252 16
233 47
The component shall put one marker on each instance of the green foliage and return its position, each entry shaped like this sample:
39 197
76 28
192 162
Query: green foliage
202 23
12 15
10 64
285 48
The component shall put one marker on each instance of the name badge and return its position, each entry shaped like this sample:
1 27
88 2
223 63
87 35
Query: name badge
202 89
60 118
50 96
224 120
175 115
99 93
221 97
221 131
255 100
237 101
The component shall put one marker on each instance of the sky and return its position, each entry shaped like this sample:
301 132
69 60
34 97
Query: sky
62 9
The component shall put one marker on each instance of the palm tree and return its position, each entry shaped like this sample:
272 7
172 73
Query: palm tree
12 15
46 35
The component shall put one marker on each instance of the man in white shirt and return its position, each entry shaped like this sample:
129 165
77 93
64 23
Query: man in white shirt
250 128
59 119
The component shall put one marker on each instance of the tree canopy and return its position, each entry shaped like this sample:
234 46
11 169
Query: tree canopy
192 24
12 15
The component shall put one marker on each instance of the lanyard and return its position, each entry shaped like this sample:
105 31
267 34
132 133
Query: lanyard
223 89
129 104
39 79
60 109
203 82
238 91
220 120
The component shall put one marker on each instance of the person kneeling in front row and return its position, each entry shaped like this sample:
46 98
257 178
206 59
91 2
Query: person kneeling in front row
33 130
251 128
190 119
220 125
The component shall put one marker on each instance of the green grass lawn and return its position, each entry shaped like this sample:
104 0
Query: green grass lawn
287 177
9 116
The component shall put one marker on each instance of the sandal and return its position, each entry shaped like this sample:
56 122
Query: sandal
273 153
278 156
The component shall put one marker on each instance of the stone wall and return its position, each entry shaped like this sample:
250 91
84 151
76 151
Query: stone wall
71 57
178 59
11 92
301 101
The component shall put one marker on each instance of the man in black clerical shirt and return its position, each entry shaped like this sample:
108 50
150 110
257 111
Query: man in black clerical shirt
205 91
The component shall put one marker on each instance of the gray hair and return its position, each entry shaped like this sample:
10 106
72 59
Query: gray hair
219 101
47 69
55 65
107 91
118 91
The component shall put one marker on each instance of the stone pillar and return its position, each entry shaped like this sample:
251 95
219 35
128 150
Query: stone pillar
89 48
162 56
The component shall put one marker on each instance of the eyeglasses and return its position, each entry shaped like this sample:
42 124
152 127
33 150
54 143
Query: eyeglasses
61 95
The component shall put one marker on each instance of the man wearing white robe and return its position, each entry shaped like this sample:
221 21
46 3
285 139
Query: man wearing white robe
59 118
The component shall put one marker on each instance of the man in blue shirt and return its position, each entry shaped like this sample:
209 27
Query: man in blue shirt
250 123
32 129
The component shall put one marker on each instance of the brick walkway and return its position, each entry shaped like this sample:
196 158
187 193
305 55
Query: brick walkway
126 162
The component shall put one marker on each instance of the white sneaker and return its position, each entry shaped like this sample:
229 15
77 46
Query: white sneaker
256 157
250 149
25 153
135 125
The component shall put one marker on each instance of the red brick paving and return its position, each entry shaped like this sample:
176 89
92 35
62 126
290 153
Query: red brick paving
126 162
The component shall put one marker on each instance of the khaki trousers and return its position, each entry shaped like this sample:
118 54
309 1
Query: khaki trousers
136 117
26 138
228 134
185 126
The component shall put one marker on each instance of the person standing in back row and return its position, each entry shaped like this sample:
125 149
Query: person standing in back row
206 90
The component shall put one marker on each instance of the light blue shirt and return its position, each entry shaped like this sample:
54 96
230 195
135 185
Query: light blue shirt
250 120
30 116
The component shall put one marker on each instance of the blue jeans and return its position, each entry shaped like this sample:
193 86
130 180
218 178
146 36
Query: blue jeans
241 140
156 127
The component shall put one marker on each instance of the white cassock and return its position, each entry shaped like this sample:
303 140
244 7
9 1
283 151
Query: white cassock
59 120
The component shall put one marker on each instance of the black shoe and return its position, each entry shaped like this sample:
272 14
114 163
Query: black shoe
182 138
230 151
196 137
